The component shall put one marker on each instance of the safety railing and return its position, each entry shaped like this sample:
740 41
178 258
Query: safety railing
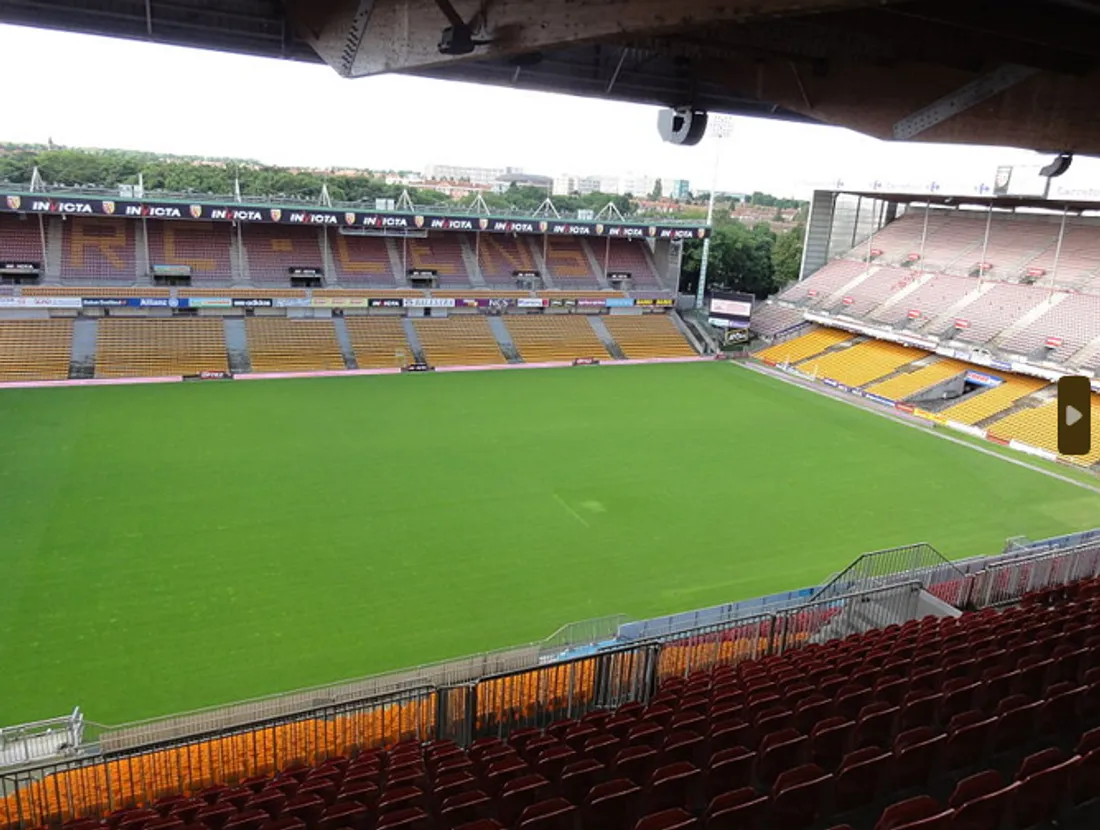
1000 583
920 562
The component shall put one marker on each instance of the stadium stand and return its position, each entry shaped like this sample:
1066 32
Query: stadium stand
568 262
35 349
458 340
633 256
272 250
362 260
901 237
552 337
992 312
821 285
1078 259
807 345
770 319
279 344
982 720
501 255
862 363
927 302
1014 241
993 399
379 342
879 287
1038 427
1061 331
910 383
442 253
21 239
202 246
98 249
955 245
648 335
132 347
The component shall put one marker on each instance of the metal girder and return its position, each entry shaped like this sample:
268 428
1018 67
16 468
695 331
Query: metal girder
403 35
962 99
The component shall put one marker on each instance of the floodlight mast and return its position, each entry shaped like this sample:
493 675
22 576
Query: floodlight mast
720 127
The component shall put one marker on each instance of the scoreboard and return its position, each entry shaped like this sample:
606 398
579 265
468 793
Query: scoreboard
730 310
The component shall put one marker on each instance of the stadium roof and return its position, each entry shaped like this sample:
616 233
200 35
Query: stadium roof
1023 73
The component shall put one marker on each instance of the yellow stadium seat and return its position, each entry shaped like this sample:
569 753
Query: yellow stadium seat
1038 427
458 340
35 349
800 348
554 337
993 400
862 363
379 342
140 347
901 387
648 335
278 344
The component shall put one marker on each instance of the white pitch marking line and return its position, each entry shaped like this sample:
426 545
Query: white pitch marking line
575 514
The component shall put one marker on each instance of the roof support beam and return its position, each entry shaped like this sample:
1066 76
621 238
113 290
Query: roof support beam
969 95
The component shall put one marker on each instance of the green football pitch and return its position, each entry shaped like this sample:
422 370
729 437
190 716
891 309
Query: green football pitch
175 546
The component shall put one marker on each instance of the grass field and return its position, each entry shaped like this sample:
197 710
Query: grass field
170 547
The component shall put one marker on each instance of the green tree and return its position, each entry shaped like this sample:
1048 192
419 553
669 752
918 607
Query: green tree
658 190
787 255
740 260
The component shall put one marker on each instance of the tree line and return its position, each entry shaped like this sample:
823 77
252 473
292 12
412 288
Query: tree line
188 175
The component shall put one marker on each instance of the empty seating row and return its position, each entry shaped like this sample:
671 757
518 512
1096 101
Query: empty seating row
824 283
279 344
807 345
1038 427
379 342
554 337
459 340
35 349
994 399
900 387
862 363
159 347
648 336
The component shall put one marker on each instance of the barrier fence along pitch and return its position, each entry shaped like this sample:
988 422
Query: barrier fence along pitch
495 704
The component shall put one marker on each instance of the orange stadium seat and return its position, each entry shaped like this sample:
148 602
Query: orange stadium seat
98 249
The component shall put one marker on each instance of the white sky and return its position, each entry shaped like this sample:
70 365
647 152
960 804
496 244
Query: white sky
97 92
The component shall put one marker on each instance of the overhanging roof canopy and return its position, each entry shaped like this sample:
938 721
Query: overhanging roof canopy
1023 73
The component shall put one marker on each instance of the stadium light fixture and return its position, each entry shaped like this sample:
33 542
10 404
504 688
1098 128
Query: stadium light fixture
721 127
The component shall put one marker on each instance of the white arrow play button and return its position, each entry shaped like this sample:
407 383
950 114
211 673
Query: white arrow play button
1073 415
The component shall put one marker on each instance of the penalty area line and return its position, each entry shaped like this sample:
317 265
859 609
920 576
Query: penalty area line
570 510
